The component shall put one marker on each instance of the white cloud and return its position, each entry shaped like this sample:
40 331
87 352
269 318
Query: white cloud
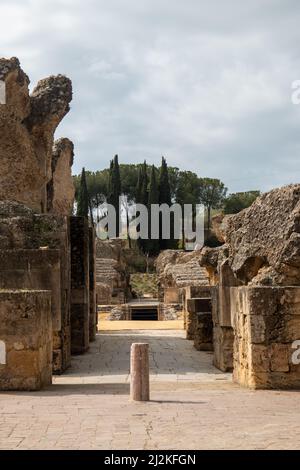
205 83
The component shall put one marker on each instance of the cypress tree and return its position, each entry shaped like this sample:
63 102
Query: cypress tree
164 184
144 187
139 187
114 190
165 198
153 198
142 197
83 197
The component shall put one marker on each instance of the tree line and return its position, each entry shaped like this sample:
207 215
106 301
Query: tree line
146 184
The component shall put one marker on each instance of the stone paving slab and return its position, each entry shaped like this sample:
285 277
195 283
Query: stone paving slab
193 406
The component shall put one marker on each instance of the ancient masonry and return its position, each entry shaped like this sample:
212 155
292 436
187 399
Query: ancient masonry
47 267
240 300
247 310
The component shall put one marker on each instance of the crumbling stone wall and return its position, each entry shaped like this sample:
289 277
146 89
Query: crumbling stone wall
26 339
112 276
261 249
60 188
266 322
27 126
21 229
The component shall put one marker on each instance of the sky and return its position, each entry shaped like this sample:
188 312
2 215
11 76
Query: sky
207 84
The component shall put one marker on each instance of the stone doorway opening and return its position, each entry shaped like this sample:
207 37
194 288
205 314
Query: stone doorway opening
144 313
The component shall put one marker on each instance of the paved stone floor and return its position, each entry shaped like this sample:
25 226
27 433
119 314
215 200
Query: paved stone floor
193 405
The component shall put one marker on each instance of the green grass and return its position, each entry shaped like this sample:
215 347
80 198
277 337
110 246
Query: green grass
144 285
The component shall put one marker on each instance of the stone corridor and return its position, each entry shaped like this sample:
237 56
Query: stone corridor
193 405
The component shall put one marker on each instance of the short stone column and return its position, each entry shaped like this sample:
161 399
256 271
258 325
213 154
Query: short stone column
139 372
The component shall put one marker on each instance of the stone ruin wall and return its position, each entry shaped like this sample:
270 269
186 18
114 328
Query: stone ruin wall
112 277
251 288
182 280
36 200
255 302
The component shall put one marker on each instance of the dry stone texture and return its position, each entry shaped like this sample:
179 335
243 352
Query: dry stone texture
22 229
266 323
26 331
27 126
60 188
263 241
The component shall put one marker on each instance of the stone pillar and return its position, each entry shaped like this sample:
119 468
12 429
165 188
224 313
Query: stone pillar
203 335
79 285
25 339
92 287
199 323
53 231
190 292
222 327
266 324
36 269
22 229
139 372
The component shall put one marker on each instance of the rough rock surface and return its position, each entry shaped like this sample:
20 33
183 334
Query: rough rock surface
264 240
27 126
60 189
180 269
111 272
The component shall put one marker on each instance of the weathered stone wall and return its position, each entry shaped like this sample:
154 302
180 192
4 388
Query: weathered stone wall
195 306
223 332
60 188
22 229
263 241
266 322
80 297
180 269
27 126
190 292
33 269
203 335
172 295
93 318
112 276
26 337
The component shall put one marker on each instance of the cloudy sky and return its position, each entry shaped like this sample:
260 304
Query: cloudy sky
205 83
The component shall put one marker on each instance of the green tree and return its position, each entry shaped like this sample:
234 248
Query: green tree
83 197
212 194
153 198
236 202
187 192
164 197
114 190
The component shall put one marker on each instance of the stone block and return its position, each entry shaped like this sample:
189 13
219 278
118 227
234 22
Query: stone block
266 323
203 334
26 338
223 348
172 295
33 269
